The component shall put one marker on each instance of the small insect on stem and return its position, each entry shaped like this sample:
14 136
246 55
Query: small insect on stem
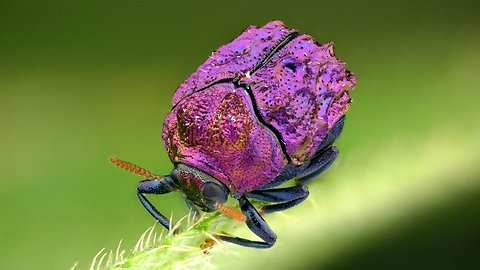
134 168
231 212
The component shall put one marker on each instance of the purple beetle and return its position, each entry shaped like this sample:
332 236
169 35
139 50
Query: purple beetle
262 110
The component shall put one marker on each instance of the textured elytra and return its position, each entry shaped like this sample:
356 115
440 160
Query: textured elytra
216 131
235 129
302 91
235 58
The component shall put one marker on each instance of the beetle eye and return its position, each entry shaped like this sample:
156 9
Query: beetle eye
214 192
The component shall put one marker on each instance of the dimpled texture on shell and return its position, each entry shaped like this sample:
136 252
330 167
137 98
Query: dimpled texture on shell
302 91
235 58
262 114
216 131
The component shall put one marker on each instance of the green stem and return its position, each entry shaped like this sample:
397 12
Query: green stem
186 249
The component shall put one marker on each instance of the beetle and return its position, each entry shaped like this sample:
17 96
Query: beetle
263 109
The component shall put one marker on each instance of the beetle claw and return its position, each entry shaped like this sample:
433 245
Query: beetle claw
208 245
261 211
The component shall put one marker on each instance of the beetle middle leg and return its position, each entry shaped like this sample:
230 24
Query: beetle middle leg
292 171
155 186
318 165
303 174
256 224
284 198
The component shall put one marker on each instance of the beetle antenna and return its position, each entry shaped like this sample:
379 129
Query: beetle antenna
231 212
134 168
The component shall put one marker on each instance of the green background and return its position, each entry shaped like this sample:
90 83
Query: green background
81 81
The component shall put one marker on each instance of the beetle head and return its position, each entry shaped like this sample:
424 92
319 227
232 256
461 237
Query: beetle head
199 187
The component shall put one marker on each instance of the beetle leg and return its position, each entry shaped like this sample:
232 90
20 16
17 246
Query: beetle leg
291 171
332 135
278 195
193 209
155 186
283 197
256 224
289 197
318 165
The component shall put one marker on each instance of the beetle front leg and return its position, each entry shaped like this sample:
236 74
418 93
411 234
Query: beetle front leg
193 209
155 186
256 224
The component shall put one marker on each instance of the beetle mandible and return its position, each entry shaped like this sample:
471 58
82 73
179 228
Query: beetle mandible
262 110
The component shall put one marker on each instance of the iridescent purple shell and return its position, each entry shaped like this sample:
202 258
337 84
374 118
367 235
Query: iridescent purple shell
266 99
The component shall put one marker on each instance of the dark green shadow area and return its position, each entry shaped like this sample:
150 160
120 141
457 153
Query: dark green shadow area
445 238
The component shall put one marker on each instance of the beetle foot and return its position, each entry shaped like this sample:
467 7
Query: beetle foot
210 242
261 211
208 245
176 230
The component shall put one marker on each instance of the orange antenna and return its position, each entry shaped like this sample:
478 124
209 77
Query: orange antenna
134 168
231 212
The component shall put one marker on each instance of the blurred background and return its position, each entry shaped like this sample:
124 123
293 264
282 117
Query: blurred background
81 81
